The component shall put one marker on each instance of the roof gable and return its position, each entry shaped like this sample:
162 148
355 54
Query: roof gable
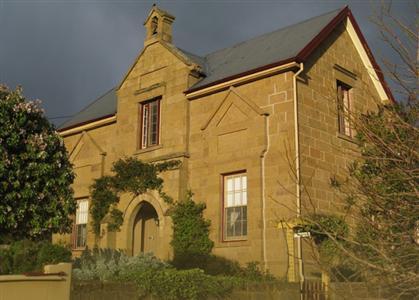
179 54
294 43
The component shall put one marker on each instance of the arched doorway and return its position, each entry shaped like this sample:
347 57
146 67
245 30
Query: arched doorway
145 237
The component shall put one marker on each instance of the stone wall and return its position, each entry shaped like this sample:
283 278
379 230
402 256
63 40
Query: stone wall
325 152
54 283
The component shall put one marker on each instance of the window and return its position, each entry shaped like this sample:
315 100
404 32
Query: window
150 119
235 206
82 213
344 109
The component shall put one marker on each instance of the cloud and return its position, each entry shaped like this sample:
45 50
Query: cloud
69 52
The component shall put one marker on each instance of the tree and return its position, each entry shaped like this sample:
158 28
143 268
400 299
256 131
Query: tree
35 174
381 191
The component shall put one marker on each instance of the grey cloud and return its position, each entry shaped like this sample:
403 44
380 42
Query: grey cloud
69 52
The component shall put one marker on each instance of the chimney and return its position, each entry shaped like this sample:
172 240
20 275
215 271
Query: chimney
158 26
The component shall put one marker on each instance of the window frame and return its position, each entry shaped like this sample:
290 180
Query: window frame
141 107
345 127
224 178
76 226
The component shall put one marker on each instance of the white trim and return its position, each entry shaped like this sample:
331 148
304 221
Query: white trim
366 60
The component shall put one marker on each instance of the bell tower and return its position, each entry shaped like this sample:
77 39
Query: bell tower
158 26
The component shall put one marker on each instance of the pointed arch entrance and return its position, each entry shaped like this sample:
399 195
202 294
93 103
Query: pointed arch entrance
145 234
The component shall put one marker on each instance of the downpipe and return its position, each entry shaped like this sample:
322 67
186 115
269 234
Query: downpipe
263 156
298 177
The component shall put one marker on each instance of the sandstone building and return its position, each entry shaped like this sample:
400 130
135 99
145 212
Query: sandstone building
256 127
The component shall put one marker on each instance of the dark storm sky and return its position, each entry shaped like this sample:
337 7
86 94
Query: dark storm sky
67 53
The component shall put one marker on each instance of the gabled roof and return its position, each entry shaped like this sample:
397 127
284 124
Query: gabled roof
102 107
294 43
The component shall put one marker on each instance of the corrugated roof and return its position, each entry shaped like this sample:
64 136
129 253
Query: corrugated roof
260 51
104 106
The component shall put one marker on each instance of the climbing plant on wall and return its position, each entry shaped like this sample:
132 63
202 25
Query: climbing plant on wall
130 175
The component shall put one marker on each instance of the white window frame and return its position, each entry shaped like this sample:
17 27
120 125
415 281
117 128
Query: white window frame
146 123
235 203
80 224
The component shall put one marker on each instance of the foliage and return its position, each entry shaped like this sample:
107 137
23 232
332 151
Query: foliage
381 197
215 265
191 243
132 176
35 173
252 272
321 225
28 256
109 264
156 278
52 254
172 284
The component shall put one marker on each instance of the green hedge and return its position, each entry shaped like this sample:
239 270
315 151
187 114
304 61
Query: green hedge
28 256
155 277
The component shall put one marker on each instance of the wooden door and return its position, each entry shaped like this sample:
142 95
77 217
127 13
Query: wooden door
145 231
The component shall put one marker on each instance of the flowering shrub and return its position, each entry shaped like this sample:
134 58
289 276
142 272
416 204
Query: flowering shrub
35 173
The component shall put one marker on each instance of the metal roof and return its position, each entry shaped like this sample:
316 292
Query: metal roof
104 106
260 51
263 50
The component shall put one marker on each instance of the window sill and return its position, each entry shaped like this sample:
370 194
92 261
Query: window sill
347 138
148 149
244 242
80 249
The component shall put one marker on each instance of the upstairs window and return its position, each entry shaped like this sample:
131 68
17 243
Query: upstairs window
235 206
80 232
344 109
150 123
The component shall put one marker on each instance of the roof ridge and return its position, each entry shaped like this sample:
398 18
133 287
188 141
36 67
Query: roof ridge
273 31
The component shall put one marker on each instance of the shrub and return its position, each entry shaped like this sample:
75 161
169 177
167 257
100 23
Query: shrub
28 256
217 265
157 278
109 264
171 284
52 254
191 243
6 262
24 256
